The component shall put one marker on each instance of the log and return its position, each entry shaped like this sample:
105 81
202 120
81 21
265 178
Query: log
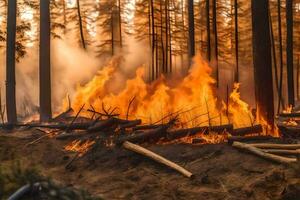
258 152
249 138
289 115
63 115
149 154
79 126
146 127
131 124
247 130
102 125
282 151
289 131
277 146
172 135
65 136
146 136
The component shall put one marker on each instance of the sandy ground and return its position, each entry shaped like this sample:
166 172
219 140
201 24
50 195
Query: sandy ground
221 172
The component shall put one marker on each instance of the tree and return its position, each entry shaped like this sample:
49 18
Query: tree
80 24
208 31
44 61
236 36
262 60
11 62
289 52
191 29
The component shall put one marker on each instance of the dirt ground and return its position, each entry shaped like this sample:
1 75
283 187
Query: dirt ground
221 172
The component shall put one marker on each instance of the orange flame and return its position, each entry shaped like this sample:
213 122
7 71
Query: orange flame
193 97
78 146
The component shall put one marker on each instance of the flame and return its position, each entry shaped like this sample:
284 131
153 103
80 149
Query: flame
79 146
193 99
288 109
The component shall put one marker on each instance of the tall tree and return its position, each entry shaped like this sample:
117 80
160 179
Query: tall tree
280 100
208 30
191 29
289 52
262 60
215 31
44 61
11 62
236 36
80 25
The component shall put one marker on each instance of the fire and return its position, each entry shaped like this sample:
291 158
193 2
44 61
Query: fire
288 109
194 96
79 146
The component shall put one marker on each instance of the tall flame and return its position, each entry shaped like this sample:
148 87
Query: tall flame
193 97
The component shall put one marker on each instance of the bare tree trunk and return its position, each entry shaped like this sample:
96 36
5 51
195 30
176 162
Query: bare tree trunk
215 30
262 60
80 25
153 39
208 30
274 56
236 35
289 51
191 43
65 17
44 62
281 100
11 62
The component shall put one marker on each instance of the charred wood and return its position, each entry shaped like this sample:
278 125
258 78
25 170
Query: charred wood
249 138
247 130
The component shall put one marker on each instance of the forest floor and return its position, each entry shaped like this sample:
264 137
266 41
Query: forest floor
221 172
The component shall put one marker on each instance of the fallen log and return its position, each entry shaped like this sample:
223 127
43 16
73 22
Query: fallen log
149 154
247 130
289 115
277 146
101 125
281 151
249 138
258 152
172 135
153 135
131 124
63 115
146 127
289 131
79 126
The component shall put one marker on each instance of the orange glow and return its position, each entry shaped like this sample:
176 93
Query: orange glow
193 98
78 146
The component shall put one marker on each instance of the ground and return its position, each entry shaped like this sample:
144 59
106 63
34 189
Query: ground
221 172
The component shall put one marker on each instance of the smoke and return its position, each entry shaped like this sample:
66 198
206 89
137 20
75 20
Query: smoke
70 66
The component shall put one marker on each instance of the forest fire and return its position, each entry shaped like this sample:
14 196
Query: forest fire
164 99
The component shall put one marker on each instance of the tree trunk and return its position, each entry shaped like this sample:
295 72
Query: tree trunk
44 61
11 63
80 25
236 35
191 30
216 51
289 51
208 30
262 60
280 101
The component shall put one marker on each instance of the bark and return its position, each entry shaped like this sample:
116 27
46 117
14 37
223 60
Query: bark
216 50
44 62
280 102
80 25
11 63
236 35
262 60
191 29
289 52
247 130
208 30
